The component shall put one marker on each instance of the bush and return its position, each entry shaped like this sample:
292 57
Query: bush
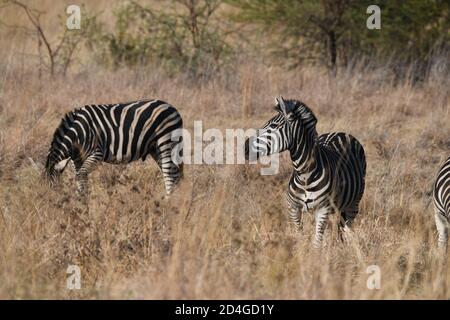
183 37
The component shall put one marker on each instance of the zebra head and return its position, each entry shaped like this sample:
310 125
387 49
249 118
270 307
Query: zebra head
59 153
293 129
54 169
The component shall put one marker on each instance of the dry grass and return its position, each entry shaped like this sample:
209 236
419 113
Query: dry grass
224 233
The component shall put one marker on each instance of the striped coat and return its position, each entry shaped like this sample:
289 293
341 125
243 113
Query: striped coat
441 197
117 133
329 170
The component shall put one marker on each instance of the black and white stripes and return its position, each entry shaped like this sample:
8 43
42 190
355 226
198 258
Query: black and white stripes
441 197
118 133
329 171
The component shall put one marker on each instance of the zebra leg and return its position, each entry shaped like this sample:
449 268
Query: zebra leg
442 228
321 223
345 223
82 185
83 168
295 216
162 154
171 172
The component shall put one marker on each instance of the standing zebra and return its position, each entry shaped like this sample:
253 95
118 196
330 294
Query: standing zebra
441 195
118 133
329 170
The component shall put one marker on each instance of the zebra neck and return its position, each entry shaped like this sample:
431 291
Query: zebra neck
309 172
57 155
305 160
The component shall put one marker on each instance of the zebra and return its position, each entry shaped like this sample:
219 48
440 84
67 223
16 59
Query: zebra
117 133
329 170
441 197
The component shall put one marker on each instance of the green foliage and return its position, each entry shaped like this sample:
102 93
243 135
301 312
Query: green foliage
410 30
334 31
183 37
193 36
306 30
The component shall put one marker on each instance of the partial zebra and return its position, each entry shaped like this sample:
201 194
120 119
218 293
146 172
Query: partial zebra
441 197
117 133
329 170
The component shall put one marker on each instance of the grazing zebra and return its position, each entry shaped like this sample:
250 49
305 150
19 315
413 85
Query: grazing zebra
329 170
441 195
116 133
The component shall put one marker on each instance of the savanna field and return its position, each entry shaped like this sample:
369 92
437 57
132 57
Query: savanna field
224 233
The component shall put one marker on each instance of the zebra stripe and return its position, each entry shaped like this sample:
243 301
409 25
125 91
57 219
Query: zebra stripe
441 197
329 170
119 133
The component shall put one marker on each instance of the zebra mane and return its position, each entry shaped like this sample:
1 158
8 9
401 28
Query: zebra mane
302 113
302 110
299 109
63 126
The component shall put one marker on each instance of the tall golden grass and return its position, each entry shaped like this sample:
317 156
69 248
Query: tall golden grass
224 234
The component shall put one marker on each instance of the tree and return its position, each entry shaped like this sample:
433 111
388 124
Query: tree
411 33
185 35
306 29
334 31
60 53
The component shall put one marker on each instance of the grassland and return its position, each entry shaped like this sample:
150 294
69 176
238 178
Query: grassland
224 234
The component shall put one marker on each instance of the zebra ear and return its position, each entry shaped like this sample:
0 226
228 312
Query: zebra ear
277 100
284 106
60 166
